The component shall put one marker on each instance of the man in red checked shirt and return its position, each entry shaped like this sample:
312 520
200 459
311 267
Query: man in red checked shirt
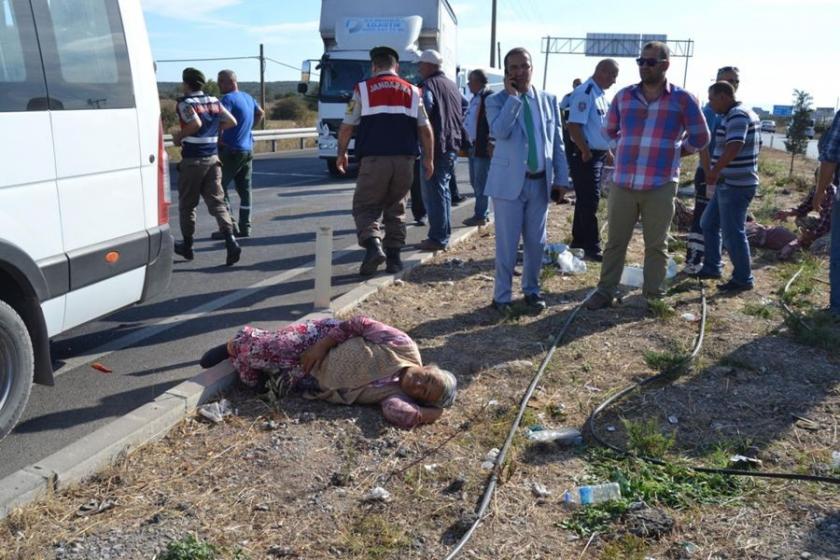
653 124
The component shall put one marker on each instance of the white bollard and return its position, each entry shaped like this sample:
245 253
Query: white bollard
323 267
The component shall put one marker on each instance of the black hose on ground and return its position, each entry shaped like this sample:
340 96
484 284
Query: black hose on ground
671 372
500 458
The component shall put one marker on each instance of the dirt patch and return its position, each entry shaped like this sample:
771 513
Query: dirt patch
290 482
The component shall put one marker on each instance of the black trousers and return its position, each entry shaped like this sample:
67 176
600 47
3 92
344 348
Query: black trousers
696 241
586 178
418 209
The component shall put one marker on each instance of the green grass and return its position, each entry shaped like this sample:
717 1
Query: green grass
190 548
660 309
718 454
628 547
760 310
765 209
771 168
663 361
646 439
817 329
671 486
675 245
374 537
803 286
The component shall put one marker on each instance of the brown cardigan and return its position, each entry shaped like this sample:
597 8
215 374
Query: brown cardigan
349 368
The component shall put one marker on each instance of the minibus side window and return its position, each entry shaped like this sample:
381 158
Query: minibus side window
85 54
21 75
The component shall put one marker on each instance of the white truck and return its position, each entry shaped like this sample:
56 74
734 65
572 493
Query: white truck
350 29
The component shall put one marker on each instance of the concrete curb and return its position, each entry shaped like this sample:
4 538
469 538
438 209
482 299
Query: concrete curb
107 445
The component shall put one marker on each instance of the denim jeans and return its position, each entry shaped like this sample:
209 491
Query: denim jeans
479 166
437 199
834 266
726 214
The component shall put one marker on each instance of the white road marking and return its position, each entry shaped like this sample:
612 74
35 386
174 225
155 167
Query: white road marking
195 313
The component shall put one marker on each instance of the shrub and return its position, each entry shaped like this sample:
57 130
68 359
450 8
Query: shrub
289 109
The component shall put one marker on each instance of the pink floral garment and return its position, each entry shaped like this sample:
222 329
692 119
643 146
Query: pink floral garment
278 352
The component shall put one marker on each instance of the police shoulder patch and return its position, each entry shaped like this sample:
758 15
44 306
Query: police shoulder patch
351 106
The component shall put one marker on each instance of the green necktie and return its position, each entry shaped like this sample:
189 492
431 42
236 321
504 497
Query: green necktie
532 139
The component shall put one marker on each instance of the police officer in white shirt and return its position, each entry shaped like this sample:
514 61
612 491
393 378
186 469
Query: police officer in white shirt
587 115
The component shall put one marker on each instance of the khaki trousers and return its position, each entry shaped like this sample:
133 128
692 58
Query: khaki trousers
381 190
201 177
624 208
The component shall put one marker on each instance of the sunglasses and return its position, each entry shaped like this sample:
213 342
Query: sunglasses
641 61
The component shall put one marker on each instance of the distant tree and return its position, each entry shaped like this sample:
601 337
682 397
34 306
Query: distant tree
211 88
289 109
168 115
797 142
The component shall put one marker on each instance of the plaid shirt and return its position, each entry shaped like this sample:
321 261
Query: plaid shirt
649 136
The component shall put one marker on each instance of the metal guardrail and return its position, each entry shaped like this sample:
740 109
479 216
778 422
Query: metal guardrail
270 135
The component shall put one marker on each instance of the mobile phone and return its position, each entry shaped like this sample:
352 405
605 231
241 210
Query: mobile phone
511 80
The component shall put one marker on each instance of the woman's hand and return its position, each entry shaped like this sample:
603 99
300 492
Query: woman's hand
313 356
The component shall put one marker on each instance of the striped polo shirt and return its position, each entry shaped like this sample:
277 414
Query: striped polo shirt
739 124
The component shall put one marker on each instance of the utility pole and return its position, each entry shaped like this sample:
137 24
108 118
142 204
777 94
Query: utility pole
493 37
262 83
688 53
545 70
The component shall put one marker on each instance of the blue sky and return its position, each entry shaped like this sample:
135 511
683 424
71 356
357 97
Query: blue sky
779 45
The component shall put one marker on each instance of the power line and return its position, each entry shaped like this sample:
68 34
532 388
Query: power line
209 59
288 65
282 63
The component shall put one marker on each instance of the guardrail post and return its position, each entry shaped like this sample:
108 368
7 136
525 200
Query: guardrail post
302 140
274 145
323 267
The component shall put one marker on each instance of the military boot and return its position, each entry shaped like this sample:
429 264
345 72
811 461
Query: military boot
233 249
373 257
184 248
393 263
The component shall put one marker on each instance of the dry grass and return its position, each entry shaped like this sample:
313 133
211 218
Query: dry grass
298 488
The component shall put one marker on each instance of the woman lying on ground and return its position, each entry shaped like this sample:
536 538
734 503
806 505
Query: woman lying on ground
347 362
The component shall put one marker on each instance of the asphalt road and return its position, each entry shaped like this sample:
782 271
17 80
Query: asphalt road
777 141
154 346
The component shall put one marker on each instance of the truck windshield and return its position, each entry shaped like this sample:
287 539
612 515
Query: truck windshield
338 77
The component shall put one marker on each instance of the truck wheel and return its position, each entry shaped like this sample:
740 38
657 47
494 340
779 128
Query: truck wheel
17 367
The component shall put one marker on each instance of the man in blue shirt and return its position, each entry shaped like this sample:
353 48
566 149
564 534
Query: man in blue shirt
590 151
236 147
829 158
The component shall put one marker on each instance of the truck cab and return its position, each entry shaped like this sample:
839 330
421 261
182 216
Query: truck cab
350 30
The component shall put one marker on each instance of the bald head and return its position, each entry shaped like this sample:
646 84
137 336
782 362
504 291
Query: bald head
606 72
227 81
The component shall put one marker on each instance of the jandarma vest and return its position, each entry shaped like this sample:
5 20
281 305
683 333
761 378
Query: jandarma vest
204 142
389 117
445 115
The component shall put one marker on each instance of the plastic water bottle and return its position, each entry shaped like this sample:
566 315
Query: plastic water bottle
671 269
632 276
561 436
592 494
